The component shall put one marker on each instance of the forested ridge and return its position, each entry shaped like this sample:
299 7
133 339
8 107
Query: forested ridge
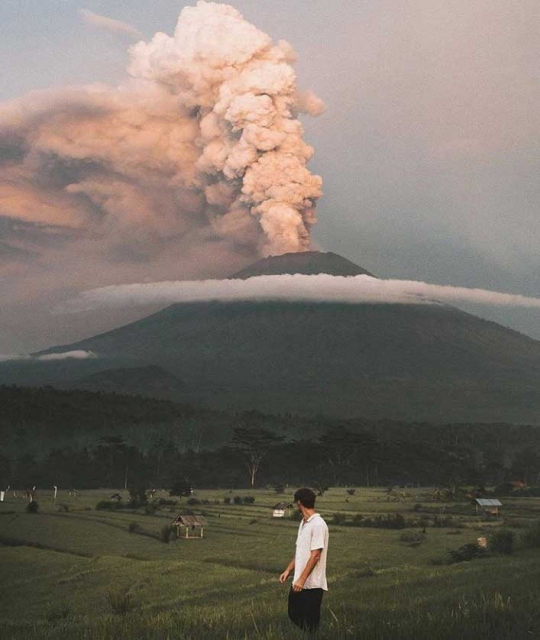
87 439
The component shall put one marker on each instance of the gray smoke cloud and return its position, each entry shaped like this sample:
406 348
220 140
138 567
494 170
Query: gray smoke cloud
317 288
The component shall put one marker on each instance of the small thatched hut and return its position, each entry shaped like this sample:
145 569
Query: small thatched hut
194 526
279 509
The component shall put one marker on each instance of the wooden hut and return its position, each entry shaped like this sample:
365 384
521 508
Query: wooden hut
487 505
194 526
279 509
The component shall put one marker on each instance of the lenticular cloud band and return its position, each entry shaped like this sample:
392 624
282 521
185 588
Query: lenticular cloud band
291 288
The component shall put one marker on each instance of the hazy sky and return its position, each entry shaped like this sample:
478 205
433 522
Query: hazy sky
429 148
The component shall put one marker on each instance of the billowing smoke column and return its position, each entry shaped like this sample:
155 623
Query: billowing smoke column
202 147
243 91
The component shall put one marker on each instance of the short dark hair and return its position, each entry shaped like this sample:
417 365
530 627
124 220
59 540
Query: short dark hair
306 497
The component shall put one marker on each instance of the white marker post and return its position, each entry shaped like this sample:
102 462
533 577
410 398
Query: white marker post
55 490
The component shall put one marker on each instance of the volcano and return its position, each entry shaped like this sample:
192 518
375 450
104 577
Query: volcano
308 263
425 362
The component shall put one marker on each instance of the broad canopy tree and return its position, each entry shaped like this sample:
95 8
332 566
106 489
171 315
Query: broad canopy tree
253 446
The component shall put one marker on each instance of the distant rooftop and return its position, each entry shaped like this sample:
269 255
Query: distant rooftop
189 521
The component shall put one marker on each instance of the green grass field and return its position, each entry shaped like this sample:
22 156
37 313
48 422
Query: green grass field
61 570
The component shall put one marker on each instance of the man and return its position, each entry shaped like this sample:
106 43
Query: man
309 564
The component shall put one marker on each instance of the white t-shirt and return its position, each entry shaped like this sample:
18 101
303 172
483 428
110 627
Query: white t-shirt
312 534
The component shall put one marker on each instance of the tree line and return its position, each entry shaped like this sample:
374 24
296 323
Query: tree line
83 439
255 457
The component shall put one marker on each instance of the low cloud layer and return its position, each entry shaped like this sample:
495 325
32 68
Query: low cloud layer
51 357
291 288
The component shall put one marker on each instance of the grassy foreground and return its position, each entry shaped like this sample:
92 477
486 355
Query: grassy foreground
73 572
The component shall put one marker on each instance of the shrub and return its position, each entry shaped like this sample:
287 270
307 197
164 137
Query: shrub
164 502
503 489
107 504
249 499
253 521
396 521
32 507
193 502
339 518
357 520
412 539
133 527
120 601
150 509
63 508
296 515
417 507
351 492
446 521
237 500
279 488
138 497
181 488
467 552
166 533
502 541
531 536
227 500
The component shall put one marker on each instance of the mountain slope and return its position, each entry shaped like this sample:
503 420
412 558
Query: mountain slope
403 361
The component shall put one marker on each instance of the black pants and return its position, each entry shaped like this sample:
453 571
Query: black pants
305 608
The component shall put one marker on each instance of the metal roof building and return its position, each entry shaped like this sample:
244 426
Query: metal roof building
488 505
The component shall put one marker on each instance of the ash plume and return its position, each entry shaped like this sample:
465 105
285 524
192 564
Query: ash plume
201 147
